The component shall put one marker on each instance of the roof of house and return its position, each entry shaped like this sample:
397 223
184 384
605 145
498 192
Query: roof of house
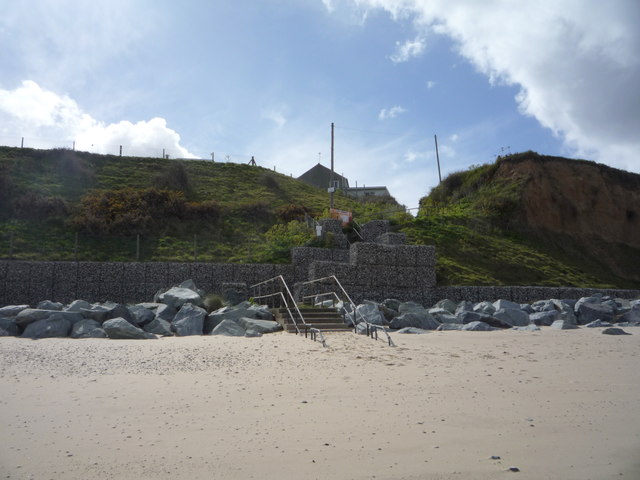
320 176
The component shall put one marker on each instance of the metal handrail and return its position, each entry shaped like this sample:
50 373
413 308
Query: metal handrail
321 295
307 327
371 328
286 305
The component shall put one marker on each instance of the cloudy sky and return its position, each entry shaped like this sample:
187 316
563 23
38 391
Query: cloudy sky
268 77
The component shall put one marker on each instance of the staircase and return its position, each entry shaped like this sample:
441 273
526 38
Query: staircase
324 319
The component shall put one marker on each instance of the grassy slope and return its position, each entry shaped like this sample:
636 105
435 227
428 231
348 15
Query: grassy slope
480 242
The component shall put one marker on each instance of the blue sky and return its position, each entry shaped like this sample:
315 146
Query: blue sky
267 77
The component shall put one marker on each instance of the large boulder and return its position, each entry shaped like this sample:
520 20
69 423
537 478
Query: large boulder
543 306
514 317
236 312
412 330
406 307
589 312
392 303
53 326
165 312
505 304
563 325
121 329
158 326
485 307
78 305
87 328
614 331
49 305
228 328
257 325
416 319
443 316
597 324
12 310
141 315
96 312
30 315
544 317
447 305
117 310
632 316
464 306
478 327
189 320
370 313
8 328
176 297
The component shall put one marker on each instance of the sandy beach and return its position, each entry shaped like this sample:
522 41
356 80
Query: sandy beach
554 404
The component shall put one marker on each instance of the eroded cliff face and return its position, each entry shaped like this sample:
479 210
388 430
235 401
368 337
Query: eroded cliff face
579 198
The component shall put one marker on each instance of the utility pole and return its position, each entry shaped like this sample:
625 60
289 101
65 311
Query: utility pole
438 158
331 188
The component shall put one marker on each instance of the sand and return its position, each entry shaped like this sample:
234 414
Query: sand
554 404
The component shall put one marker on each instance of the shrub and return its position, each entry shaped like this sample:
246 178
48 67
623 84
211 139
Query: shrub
174 177
213 302
33 205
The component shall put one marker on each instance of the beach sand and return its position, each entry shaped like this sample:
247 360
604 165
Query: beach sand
555 404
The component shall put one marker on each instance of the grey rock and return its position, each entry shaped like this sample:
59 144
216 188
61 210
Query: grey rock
525 307
141 315
513 316
165 312
598 323
563 325
406 307
415 319
449 326
30 315
614 331
466 316
544 317
95 312
443 316
49 305
117 310
388 313
261 326
478 327
121 329
447 305
176 297
260 312
242 310
159 326
464 306
87 328
392 304
78 305
532 327
361 328
370 313
589 312
543 306
252 333
8 328
485 307
412 330
505 304
189 320
633 315
191 285
228 328
595 299
54 326
12 310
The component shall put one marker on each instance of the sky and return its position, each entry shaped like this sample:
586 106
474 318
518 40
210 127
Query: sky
267 78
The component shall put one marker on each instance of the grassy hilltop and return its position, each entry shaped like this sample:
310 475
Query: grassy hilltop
523 220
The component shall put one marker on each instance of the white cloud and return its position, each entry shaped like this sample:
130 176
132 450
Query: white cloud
47 119
392 112
408 50
329 5
275 115
431 84
577 62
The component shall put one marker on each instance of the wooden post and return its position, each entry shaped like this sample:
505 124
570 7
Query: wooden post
438 158
331 177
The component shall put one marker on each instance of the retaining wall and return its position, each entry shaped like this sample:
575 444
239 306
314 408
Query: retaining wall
368 271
